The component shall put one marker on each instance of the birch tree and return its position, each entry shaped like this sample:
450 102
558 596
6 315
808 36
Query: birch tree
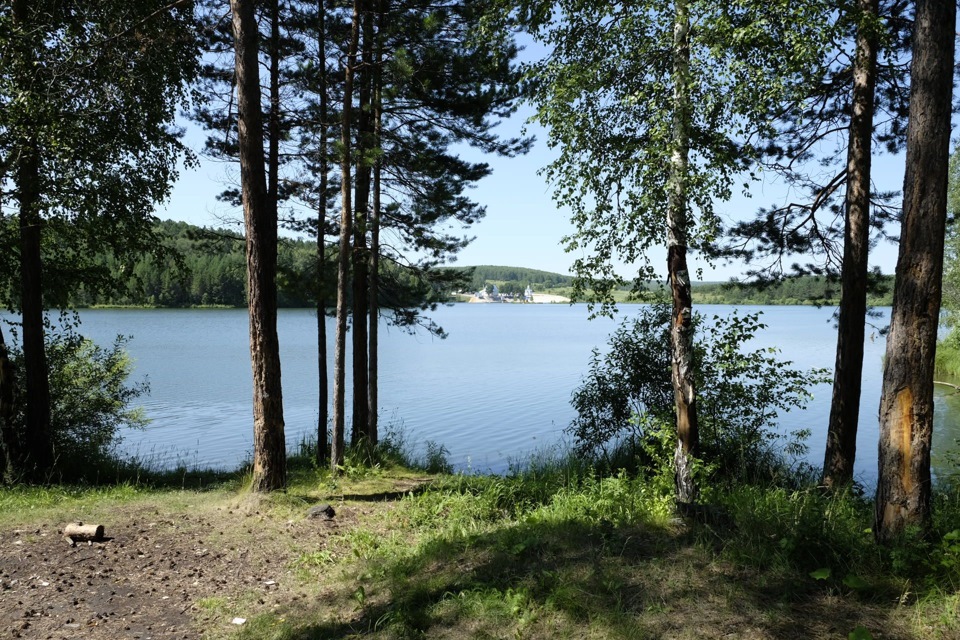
88 95
655 110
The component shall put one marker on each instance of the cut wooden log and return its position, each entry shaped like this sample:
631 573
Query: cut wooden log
78 532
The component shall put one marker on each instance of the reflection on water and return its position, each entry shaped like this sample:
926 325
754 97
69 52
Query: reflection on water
945 452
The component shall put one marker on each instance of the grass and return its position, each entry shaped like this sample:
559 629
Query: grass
947 361
557 550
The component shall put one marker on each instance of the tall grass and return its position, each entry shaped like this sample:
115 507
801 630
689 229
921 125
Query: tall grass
947 362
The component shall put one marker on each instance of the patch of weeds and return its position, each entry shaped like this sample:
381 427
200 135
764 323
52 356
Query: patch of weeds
315 559
801 529
435 459
212 605
363 543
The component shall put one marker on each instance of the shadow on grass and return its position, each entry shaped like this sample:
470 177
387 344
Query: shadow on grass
571 579
387 496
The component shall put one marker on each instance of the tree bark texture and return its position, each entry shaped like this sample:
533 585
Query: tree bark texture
38 437
906 401
323 402
343 261
77 532
681 334
260 221
841 447
374 270
361 214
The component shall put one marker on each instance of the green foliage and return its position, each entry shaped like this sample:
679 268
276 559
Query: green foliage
825 535
93 88
947 360
860 633
948 349
608 95
815 290
626 399
519 277
207 268
90 402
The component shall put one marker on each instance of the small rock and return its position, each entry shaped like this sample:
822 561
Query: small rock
321 511
238 621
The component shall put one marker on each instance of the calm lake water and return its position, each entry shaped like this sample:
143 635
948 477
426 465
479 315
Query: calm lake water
497 389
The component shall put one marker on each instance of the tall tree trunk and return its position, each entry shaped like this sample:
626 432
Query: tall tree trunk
273 122
322 411
374 275
906 401
361 208
39 454
9 434
841 448
260 221
681 334
343 261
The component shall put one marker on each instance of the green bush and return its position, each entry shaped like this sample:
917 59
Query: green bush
90 399
626 400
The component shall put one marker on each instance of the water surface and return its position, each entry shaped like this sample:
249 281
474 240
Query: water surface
498 388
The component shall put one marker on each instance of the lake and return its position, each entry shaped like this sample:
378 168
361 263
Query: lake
495 390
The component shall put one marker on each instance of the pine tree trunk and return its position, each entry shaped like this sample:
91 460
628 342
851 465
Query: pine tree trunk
260 221
906 401
38 438
360 254
841 448
343 261
374 272
322 411
681 334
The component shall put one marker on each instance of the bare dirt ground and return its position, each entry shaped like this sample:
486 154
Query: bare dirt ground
157 575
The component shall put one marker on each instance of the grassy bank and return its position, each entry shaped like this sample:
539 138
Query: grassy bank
554 551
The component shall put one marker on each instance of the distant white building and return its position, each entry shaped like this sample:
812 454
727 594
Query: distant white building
528 294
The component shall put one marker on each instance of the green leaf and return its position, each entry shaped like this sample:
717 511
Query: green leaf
820 574
860 633
856 582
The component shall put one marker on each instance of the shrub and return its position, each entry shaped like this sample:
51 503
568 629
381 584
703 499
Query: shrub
626 400
90 400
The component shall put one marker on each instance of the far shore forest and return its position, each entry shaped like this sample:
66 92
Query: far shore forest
209 271
347 125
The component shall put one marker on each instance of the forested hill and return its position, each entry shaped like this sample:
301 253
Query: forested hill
207 267
490 274
210 270
798 290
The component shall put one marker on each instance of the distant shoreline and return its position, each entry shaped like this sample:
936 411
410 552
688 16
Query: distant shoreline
538 298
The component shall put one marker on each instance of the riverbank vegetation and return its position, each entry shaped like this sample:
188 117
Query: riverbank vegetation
558 547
